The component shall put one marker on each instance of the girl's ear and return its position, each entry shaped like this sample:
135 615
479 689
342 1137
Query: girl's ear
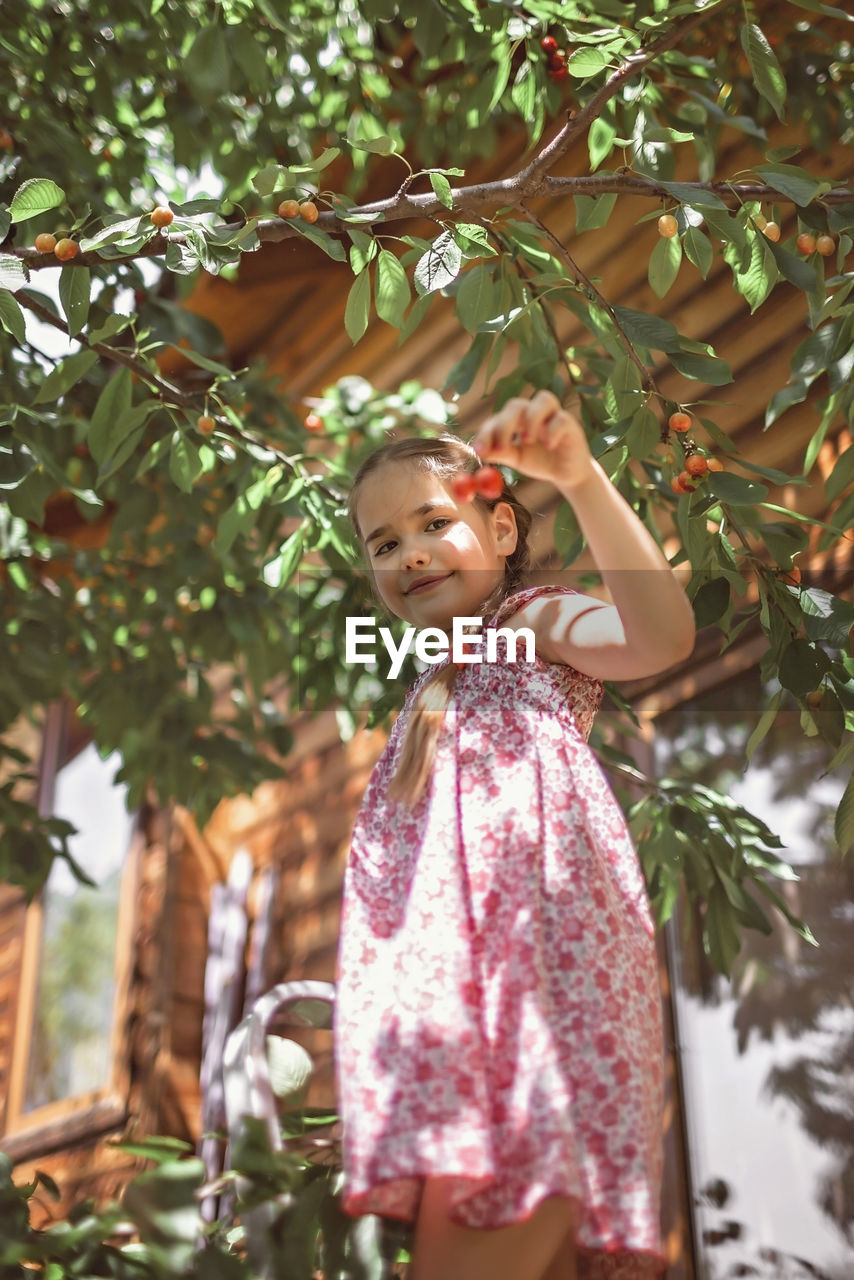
506 529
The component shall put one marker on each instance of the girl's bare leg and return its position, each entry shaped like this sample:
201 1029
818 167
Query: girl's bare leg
445 1251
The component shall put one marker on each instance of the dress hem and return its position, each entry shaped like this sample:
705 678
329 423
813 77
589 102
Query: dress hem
617 1252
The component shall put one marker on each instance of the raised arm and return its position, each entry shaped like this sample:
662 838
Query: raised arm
650 625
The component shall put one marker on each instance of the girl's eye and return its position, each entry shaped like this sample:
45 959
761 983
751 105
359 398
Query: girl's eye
440 520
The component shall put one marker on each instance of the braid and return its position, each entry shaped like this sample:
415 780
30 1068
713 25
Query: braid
445 456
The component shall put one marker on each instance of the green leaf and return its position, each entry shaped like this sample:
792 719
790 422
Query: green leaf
358 308
843 826
266 180
65 375
122 437
364 249
842 474
664 264
762 728
791 181
774 474
393 293
238 519
711 601
784 541
710 369
185 465
721 939
829 10
113 402
803 666
765 69
13 273
113 324
381 146
593 211
473 240
333 248
502 68
128 434
586 62
462 374
316 165
476 300
729 487
250 56
115 232
698 249
33 197
74 287
207 65
827 618
687 193
794 393
12 317
755 279
600 140
623 390
442 188
647 331
799 273
279 571
204 362
643 434
439 265
524 91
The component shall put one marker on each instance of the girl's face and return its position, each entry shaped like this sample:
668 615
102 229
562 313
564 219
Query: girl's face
414 530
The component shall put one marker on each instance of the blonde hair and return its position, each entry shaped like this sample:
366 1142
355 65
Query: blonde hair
443 456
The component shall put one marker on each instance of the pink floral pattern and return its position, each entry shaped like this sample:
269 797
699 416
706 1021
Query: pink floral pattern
498 1011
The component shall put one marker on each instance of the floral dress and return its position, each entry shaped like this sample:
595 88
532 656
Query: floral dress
498 1013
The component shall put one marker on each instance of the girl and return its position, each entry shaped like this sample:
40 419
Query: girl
498 1036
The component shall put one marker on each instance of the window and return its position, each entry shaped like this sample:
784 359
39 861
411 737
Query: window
69 1059
767 1061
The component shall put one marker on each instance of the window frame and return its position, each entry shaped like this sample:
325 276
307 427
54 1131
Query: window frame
69 1120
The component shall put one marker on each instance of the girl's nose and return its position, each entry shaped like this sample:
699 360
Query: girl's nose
413 557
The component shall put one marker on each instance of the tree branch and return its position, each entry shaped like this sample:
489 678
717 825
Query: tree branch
477 197
535 171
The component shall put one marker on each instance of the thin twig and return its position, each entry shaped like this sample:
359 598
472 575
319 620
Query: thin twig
648 381
166 390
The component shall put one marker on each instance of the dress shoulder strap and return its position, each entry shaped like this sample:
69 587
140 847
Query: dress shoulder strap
519 599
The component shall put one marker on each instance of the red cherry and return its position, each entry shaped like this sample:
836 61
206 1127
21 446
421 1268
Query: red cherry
489 482
463 486
679 421
548 44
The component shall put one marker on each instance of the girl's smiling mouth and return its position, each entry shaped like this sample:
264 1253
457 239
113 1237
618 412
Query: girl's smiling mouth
424 584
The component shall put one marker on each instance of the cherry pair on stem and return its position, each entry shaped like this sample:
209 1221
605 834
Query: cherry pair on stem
538 437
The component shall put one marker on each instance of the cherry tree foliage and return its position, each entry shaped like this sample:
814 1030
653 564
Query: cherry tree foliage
220 557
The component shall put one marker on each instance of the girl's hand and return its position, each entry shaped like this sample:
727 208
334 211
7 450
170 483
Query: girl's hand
539 438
